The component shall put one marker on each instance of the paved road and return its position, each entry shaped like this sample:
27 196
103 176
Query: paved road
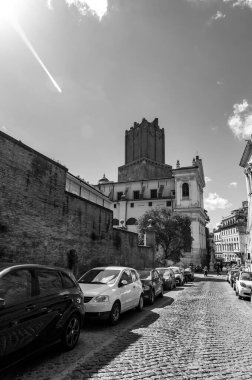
200 331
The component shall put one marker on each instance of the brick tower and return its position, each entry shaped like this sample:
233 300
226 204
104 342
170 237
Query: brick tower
144 153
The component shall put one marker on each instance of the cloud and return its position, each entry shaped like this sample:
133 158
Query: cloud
217 16
233 184
97 8
233 3
239 3
214 201
240 122
219 83
207 179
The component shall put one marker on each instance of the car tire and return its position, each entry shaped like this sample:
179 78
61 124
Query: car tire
140 303
152 297
161 295
71 332
115 313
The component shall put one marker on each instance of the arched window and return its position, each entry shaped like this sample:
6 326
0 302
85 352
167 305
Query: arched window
185 190
115 222
131 222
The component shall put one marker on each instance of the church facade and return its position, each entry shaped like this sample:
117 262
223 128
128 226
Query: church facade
145 181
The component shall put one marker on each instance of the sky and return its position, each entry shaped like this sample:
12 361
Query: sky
75 74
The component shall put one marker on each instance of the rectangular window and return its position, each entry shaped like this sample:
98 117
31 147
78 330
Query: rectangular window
150 203
114 205
119 194
136 194
153 193
132 205
168 203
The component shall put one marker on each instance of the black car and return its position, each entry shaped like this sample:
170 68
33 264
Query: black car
39 305
189 275
152 284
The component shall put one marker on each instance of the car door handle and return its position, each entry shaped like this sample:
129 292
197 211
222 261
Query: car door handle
30 307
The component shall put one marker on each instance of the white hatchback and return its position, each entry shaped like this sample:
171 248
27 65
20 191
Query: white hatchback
243 285
110 291
179 277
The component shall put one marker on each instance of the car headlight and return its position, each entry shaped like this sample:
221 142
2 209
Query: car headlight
101 299
243 285
146 287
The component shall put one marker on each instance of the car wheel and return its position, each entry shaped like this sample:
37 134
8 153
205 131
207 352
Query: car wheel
71 332
140 303
236 292
152 297
161 295
115 313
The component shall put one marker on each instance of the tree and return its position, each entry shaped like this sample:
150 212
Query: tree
172 232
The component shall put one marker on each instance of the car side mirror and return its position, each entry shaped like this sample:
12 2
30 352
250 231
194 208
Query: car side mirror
122 283
2 303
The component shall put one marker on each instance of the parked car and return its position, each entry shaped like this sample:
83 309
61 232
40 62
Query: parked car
232 274
168 277
184 276
189 275
39 305
152 284
110 291
236 275
178 275
244 285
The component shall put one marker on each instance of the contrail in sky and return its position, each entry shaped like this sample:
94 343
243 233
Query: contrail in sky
21 33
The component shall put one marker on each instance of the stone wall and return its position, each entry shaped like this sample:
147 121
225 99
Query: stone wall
40 222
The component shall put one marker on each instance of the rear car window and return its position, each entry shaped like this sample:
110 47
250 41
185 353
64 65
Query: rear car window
49 282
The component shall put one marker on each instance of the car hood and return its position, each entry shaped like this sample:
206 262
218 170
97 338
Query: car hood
92 290
249 283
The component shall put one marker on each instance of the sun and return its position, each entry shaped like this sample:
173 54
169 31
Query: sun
9 10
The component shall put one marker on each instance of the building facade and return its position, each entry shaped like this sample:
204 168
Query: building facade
246 164
145 181
230 237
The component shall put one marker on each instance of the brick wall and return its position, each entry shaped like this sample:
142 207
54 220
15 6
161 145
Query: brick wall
40 222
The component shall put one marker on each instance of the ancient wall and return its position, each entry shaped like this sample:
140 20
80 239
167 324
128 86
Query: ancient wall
40 222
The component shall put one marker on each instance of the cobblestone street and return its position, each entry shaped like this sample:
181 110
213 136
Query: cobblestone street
204 334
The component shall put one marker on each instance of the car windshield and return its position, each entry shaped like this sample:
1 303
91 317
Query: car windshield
246 276
100 276
162 270
175 270
144 274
